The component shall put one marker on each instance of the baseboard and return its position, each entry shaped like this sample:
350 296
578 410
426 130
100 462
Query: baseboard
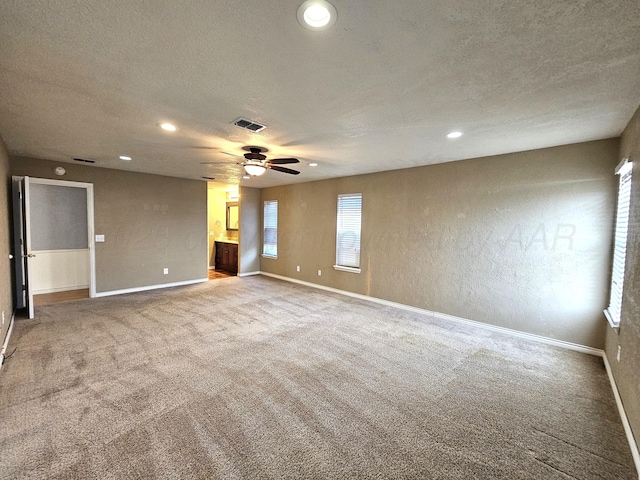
150 287
249 274
623 416
5 345
61 289
528 336
443 316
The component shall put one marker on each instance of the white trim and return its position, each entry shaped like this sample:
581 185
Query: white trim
443 316
623 416
623 167
528 336
342 268
5 345
212 267
272 257
249 274
44 291
150 287
610 319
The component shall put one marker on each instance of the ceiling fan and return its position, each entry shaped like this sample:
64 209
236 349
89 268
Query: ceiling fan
256 163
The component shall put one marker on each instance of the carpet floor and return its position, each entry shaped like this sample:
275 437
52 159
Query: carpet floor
257 378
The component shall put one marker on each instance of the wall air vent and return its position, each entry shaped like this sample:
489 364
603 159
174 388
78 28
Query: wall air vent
249 125
84 160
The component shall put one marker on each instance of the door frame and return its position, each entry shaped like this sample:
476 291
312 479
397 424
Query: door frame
90 227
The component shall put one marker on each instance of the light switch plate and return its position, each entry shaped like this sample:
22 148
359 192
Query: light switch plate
99 238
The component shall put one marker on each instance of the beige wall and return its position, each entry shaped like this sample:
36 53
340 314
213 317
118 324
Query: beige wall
149 221
6 265
250 231
626 372
521 241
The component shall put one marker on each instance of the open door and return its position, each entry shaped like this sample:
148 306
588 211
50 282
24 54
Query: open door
21 236
61 236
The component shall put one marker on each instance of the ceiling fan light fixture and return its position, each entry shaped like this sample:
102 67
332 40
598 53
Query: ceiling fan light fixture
317 15
254 170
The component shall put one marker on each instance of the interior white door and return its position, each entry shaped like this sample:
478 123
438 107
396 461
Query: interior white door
27 247
22 242
19 252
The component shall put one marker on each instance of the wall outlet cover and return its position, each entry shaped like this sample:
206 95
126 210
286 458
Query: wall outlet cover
298 268
166 271
319 273
99 238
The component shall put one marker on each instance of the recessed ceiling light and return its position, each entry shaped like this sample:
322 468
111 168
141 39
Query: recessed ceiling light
454 134
317 15
168 127
124 157
246 177
314 164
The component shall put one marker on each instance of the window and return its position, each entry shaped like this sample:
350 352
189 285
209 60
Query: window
270 232
348 232
613 313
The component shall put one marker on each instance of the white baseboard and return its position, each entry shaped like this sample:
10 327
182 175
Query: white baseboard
623 416
60 289
5 345
443 316
529 336
150 287
249 274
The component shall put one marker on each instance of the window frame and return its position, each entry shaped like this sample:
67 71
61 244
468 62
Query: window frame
614 311
268 205
342 210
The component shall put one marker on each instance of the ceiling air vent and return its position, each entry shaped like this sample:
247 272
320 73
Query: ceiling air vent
249 125
84 160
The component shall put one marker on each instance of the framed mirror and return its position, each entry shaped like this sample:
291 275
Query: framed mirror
232 215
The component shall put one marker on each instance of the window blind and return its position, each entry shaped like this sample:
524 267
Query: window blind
270 229
620 244
348 231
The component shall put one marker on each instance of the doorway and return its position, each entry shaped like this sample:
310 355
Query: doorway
54 244
223 224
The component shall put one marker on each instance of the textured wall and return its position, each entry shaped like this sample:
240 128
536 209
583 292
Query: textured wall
149 222
626 372
250 232
6 265
521 241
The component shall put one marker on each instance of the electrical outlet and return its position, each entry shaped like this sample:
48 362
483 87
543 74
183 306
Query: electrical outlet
319 273
619 351
166 271
298 268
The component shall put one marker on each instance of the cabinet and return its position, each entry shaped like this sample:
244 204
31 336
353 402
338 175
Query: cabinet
226 257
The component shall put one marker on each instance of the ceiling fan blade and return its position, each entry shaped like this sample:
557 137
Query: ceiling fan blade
283 161
283 169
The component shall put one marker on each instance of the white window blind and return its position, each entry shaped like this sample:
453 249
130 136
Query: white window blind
270 229
348 231
614 311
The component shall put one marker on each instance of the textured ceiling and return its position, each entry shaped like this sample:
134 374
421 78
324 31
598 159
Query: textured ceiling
378 91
